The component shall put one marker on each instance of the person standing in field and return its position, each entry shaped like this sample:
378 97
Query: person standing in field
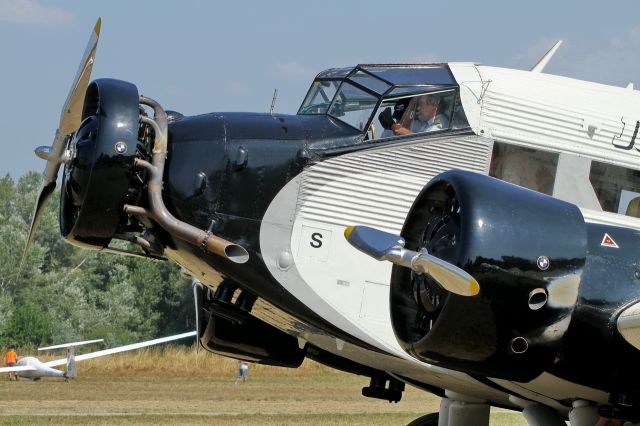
10 359
243 372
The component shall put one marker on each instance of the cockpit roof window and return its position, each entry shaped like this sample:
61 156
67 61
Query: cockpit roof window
370 82
335 72
414 74
412 90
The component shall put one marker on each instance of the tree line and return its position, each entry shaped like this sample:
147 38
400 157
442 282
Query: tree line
64 294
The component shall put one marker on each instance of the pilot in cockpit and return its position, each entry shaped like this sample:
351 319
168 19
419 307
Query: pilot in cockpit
423 114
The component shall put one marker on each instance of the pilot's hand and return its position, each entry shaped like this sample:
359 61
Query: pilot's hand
399 129
386 119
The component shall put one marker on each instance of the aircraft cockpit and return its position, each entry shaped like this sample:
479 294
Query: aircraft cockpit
388 101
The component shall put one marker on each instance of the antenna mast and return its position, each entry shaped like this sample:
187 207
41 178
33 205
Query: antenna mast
273 101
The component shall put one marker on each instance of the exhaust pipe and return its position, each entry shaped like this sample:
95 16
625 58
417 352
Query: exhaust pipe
206 240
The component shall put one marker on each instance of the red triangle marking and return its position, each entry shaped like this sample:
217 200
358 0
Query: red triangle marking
607 241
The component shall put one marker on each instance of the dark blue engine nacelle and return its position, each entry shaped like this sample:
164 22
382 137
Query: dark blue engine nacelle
541 269
99 179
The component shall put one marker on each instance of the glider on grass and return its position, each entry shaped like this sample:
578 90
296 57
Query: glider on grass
31 367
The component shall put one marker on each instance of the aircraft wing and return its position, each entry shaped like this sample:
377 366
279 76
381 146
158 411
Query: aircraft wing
68 345
119 349
17 368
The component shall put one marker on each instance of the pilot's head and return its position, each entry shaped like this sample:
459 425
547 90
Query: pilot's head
427 107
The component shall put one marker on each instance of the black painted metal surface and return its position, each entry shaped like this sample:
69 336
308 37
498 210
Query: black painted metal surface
515 241
97 183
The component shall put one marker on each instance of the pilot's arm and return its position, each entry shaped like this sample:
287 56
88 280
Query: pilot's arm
399 129
403 126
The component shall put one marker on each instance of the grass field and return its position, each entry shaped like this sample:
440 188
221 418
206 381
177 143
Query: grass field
178 386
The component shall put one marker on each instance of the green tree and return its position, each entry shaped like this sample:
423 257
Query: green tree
63 293
29 324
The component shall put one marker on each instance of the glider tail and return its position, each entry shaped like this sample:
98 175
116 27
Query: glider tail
71 358
71 363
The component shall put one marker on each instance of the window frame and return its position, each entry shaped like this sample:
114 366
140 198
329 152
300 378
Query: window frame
454 90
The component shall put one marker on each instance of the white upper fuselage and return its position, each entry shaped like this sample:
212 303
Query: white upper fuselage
582 121
553 112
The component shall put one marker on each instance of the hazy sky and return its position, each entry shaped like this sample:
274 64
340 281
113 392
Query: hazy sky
203 56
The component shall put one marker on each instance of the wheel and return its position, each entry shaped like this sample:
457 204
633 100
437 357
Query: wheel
426 420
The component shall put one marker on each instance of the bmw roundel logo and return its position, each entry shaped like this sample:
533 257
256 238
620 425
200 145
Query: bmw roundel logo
543 263
120 147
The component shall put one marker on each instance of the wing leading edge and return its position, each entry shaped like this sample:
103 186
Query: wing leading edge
17 368
125 348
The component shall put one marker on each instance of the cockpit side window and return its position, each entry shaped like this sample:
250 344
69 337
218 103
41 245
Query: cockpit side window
458 117
617 188
421 113
527 167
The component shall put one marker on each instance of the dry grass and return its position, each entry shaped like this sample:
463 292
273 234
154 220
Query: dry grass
177 385
500 419
184 361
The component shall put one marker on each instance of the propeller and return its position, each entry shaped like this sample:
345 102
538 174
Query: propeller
385 246
70 117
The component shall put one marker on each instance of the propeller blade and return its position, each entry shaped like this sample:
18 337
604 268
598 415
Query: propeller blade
69 122
449 276
43 197
385 246
72 110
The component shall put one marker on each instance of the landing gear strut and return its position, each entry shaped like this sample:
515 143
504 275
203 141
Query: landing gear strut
457 410
462 410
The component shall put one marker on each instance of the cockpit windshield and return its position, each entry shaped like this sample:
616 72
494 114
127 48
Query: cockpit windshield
374 98
319 97
353 105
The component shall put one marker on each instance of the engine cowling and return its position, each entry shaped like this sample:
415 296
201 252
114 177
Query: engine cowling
508 238
99 178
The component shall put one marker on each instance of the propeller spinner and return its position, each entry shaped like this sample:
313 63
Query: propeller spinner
70 117
385 246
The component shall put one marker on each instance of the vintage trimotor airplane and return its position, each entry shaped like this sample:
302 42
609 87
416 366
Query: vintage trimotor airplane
490 260
32 368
